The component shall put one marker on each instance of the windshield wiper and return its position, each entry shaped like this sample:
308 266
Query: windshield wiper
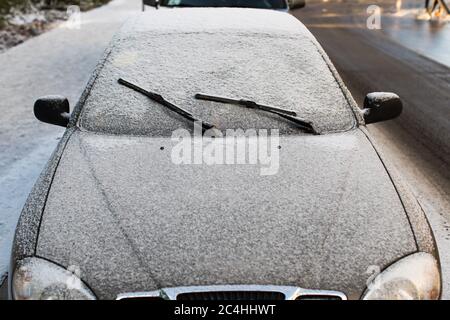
290 115
162 101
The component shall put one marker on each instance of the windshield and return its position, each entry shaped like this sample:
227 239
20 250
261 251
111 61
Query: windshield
262 4
281 69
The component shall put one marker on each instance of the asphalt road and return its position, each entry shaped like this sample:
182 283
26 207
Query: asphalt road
62 60
418 143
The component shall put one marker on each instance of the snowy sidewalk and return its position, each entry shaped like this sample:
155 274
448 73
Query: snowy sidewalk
57 62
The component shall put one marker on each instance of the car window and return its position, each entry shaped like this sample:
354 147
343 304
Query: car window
262 4
280 70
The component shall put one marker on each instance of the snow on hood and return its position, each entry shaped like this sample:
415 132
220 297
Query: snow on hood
132 220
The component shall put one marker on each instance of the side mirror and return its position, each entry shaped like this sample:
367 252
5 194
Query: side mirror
296 4
151 3
381 106
53 110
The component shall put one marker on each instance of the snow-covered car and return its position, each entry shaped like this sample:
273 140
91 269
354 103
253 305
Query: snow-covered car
283 5
120 213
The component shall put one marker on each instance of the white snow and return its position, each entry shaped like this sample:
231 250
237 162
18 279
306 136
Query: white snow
213 19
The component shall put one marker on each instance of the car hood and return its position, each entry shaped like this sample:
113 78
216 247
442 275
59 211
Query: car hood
131 219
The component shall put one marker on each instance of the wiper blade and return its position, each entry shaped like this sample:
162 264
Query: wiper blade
162 101
246 103
290 115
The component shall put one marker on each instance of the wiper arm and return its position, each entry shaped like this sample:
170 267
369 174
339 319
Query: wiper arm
162 101
290 115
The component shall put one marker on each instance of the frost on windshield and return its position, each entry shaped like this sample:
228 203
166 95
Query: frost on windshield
281 69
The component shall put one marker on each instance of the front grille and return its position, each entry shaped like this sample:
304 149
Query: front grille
234 292
319 297
138 298
231 295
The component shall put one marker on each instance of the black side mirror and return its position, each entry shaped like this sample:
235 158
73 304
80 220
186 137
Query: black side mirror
53 110
381 106
296 4
151 3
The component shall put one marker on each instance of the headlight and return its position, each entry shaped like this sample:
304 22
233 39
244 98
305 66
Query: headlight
416 277
38 279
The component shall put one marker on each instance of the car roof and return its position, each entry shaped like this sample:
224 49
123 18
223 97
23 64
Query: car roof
260 55
213 19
